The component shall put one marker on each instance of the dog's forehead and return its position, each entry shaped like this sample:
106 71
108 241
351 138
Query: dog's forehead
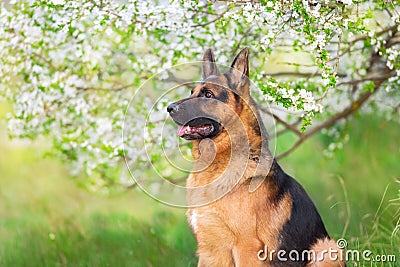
219 80
212 78
214 82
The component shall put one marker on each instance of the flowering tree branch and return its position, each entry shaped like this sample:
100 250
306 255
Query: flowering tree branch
70 69
384 74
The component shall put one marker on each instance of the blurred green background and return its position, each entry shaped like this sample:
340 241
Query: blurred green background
46 219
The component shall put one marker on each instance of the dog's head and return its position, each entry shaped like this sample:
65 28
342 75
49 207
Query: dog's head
216 101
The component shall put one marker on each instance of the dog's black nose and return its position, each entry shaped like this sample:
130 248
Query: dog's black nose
172 107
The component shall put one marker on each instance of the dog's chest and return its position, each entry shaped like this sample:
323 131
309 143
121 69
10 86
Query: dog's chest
233 217
194 217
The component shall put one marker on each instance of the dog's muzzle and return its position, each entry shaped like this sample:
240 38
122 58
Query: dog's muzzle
172 108
192 122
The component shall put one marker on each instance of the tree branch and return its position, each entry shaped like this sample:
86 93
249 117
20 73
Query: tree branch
106 89
293 125
48 62
281 121
366 79
354 106
213 20
176 181
361 38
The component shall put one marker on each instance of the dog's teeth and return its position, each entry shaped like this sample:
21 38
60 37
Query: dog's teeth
188 129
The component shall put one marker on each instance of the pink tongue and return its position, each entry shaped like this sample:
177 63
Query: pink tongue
181 130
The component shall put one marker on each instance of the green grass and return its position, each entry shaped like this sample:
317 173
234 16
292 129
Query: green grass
357 192
97 240
47 220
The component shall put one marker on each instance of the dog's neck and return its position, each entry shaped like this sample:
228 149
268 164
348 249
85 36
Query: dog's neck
248 130
248 138
228 161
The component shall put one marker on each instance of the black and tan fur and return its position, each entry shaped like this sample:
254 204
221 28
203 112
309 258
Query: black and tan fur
231 219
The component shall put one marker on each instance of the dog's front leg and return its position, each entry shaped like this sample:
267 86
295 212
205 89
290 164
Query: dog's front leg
221 258
201 263
247 256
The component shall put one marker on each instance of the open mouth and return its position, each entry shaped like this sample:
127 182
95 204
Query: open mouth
199 128
195 132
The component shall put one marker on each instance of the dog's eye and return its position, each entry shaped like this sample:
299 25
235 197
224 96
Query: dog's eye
208 94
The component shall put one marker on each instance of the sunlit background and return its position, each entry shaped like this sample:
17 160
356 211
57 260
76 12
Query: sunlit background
49 217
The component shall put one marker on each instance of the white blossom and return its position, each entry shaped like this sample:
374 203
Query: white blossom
70 71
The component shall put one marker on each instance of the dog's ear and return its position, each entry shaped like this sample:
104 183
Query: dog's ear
209 65
239 72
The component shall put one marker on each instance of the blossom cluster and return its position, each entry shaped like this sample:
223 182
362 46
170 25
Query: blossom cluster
70 68
291 97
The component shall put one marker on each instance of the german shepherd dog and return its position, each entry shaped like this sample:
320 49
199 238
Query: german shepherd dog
244 209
